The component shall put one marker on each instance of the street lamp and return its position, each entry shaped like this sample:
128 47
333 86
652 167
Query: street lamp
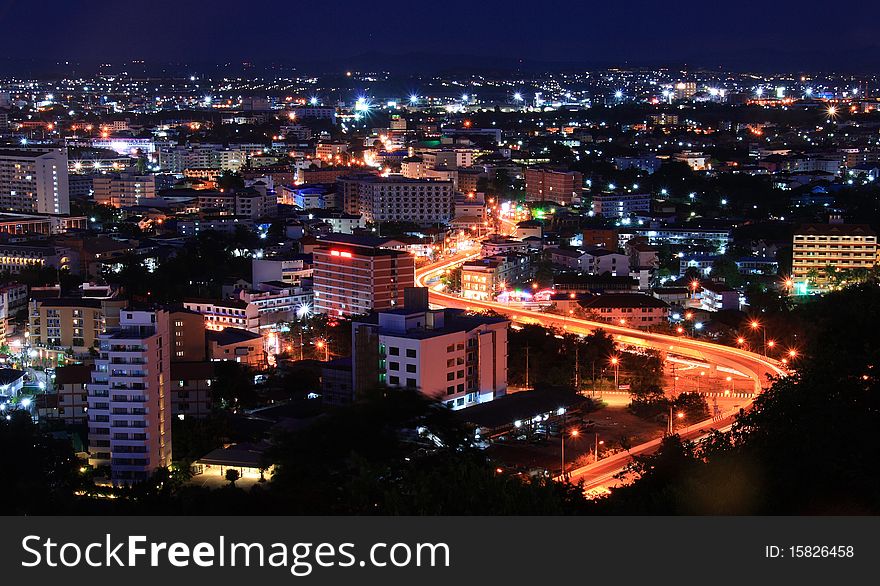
598 443
574 433
679 415
615 362
755 325
321 344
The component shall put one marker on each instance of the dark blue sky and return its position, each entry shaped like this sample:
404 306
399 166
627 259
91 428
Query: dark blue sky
743 34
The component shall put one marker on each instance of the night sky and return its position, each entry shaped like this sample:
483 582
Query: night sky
744 34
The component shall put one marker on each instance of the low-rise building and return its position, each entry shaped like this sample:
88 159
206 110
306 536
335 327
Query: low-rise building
71 384
237 345
820 247
634 310
718 297
226 313
191 389
458 359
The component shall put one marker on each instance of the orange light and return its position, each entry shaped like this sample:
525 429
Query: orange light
740 340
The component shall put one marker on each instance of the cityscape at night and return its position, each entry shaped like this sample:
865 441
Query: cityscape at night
371 264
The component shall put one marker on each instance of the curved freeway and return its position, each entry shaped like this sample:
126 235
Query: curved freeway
761 370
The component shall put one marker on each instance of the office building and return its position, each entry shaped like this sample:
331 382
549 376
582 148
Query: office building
354 275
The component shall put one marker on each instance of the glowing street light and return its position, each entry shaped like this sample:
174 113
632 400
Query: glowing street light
615 362
322 345
573 433
679 415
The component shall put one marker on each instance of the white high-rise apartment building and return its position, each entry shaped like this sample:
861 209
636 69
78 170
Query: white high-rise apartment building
34 181
129 398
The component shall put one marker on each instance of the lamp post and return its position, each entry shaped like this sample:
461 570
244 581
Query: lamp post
321 344
574 433
756 325
680 415
615 362
598 443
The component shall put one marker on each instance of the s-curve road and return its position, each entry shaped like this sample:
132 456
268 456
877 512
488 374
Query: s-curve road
760 369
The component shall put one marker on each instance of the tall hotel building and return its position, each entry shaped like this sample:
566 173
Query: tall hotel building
816 247
396 198
129 398
34 181
353 275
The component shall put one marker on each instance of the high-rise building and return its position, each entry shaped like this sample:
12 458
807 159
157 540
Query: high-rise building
129 398
455 358
396 198
125 189
818 248
354 275
34 181
562 187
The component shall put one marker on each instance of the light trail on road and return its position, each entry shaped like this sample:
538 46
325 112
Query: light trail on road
760 369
